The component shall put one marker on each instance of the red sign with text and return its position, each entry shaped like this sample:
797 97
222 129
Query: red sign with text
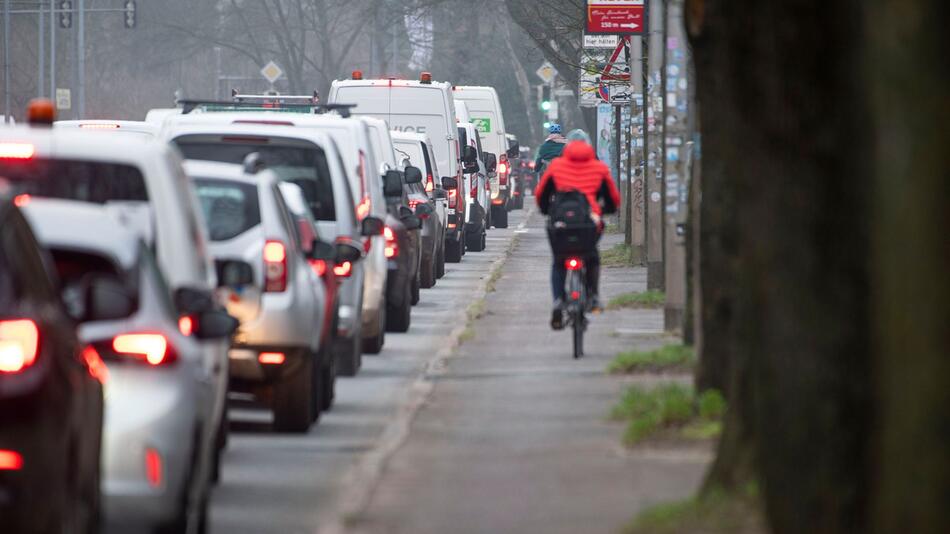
618 17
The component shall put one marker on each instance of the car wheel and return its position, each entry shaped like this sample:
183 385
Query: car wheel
453 251
415 290
499 217
429 274
220 444
440 263
476 240
348 352
328 391
374 345
293 399
399 317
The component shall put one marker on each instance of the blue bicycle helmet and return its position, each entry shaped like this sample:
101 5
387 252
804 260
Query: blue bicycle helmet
555 129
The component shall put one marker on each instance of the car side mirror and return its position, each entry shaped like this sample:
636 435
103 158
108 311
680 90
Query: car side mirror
469 155
322 251
107 299
450 182
490 162
215 324
424 210
372 226
413 175
234 273
411 222
189 300
346 252
392 184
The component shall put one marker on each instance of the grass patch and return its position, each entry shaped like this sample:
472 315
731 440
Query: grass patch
667 358
669 408
714 512
646 299
613 227
619 255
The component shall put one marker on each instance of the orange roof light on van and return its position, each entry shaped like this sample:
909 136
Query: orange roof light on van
41 112
425 77
357 75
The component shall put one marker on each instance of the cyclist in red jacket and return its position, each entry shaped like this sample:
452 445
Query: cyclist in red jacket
578 169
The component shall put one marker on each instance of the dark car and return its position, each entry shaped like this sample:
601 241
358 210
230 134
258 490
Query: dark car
518 177
51 389
425 204
403 253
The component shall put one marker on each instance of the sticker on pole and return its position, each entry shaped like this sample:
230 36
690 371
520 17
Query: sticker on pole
482 124
619 17
271 72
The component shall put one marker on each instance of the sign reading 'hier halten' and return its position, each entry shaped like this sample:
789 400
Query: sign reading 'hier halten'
621 17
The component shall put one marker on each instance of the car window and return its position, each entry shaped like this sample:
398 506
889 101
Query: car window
87 181
230 208
154 273
305 166
74 265
23 273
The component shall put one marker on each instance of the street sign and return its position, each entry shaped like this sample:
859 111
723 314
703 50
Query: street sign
63 99
619 17
553 111
546 72
605 78
595 42
271 72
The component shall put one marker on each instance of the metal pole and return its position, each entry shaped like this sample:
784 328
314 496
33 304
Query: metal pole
628 205
81 52
663 91
6 61
645 71
52 49
41 54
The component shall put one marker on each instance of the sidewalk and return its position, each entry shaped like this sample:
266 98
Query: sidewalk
514 437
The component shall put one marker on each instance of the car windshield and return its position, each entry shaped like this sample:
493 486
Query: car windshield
86 181
304 166
230 208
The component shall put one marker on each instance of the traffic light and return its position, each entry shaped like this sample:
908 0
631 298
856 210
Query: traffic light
547 124
66 14
545 97
130 14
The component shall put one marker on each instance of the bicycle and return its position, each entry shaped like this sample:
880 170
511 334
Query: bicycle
576 301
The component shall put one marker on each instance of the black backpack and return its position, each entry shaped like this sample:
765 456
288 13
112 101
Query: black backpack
571 229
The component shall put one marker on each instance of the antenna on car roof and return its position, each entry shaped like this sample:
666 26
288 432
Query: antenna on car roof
343 109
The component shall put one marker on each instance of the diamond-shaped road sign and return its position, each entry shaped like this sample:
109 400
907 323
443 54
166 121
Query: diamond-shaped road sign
271 72
546 72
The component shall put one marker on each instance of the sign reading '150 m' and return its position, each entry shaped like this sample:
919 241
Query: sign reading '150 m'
619 17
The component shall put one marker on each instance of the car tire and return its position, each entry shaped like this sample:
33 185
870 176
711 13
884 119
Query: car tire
348 352
220 444
453 251
440 261
476 240
398 318
499 217
328 383
429 275
293 399
374 345
415 294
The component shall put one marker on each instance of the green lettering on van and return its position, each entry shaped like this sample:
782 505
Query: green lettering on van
483 125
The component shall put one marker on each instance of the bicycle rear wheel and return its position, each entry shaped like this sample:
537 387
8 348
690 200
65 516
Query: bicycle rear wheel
578 323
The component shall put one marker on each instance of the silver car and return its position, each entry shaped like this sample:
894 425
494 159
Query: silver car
281 352
159 394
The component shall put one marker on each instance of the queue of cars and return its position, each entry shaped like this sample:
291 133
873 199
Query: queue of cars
255 246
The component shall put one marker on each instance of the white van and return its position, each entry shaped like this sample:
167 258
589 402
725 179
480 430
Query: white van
485 110
423 107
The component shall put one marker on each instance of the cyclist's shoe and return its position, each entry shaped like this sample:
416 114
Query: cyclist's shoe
595 306
557 315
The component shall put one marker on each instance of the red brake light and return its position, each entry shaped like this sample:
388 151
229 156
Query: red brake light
502 168
19 341
153 347
10 460
364 207
430 184
453 198
392 246
153 467
21 200
97 367
343 270
186 325
272 358
17 150
319 267
99 126
573 264
275 266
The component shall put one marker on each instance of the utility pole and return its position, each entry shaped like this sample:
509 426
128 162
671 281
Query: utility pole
662 121
81 63
651 180
645 72
6 61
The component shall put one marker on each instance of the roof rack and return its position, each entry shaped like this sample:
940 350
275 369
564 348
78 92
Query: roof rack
279 103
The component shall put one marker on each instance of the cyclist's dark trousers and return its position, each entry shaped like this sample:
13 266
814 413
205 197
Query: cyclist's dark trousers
559 274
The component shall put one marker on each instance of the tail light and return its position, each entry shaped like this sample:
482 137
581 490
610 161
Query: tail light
502 169
97 367
272 358
364 207
453 198
430 184
573 264
153 348
275 266
19 344
10 460
575 295
474 192
392 247
413 204
343 270
17 150
531 165
99 126
186 325
319 267
153 467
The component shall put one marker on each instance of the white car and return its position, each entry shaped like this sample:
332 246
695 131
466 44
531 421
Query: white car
144 182
141 128
156 384
479 183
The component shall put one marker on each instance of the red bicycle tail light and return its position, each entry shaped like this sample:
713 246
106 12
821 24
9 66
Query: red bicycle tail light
17 150
154 348
275 266
10 460
343 270
272 358
573 264
575 295
392 246
19 344
319 267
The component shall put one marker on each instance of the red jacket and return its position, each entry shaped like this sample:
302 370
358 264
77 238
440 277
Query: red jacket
579 169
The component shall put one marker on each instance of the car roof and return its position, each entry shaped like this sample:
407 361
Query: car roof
118 126
73 143
97 228
214 170
224 123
